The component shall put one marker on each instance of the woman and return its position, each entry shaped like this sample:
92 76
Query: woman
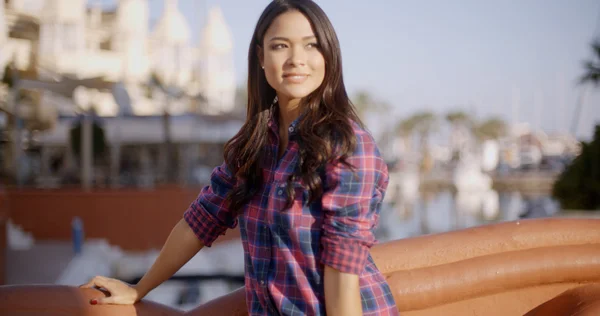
302 179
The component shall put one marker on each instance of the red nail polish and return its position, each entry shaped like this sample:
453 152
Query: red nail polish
94 302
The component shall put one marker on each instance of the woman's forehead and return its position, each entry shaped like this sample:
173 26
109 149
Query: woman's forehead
291 25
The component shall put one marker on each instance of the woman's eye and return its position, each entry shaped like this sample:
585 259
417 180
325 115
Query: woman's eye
277 46
313 45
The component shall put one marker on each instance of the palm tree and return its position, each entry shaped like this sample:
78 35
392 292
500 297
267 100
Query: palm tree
590 76
578 186
405 130
458 120
592 67
492 128
406 127
423 123
364 102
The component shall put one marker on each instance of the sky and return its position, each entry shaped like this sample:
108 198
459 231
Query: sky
517 59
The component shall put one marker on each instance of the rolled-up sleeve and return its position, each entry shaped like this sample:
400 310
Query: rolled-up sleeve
209 215
351 205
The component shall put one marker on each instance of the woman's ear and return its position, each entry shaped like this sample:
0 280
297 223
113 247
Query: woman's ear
261 56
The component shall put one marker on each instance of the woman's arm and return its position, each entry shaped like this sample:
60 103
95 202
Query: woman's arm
342 293
351 204
181 245
206 218
209 215
203 222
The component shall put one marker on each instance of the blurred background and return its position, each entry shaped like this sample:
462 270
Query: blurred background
114 113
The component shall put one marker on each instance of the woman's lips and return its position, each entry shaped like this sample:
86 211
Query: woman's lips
295 78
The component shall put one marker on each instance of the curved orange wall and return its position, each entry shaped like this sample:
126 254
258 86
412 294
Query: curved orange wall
3 222
502 269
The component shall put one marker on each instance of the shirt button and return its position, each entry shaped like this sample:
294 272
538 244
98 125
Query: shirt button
262 282
280 192
291 129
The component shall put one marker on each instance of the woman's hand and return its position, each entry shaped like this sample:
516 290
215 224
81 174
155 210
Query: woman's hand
121 293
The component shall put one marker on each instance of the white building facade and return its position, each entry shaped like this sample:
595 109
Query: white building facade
82 41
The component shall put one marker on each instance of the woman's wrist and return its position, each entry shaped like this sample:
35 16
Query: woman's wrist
140 292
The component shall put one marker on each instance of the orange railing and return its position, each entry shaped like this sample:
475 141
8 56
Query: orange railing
533 267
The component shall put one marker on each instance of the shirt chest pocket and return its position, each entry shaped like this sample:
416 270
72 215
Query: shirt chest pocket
296 215
280 192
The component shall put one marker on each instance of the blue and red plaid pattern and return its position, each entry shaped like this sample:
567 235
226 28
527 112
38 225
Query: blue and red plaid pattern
285 250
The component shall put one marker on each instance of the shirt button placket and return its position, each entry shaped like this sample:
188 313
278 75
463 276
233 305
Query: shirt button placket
280 190
267 297
263 283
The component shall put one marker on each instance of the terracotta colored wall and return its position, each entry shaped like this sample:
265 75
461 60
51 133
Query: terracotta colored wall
3 219
494 270
508 266
131 219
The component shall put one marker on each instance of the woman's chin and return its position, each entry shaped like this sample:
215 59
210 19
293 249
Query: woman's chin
296 93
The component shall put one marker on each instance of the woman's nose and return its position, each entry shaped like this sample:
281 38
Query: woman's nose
297 56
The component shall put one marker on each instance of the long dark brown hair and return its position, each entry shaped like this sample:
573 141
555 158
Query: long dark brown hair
325 131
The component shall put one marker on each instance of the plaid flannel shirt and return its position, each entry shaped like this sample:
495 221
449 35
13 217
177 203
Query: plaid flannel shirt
285 250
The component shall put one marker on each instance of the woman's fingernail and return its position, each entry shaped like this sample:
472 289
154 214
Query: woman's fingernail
94 302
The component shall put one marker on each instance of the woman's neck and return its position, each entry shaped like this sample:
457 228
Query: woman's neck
289 110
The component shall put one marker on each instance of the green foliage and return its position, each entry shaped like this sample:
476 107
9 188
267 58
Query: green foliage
459 117
578 187
592 67
98 139
492 128
364 103
422 122
406 127
7 78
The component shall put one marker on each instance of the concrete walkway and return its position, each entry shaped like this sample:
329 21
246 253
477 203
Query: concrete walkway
43 263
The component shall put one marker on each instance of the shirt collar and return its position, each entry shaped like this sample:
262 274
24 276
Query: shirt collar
274 122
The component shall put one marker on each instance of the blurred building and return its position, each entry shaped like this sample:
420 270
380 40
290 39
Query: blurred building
66 38
3 40
526 148
149 87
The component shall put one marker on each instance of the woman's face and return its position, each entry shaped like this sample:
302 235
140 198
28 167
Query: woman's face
292 60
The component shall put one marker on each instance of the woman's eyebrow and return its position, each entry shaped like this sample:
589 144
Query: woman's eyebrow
285 39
